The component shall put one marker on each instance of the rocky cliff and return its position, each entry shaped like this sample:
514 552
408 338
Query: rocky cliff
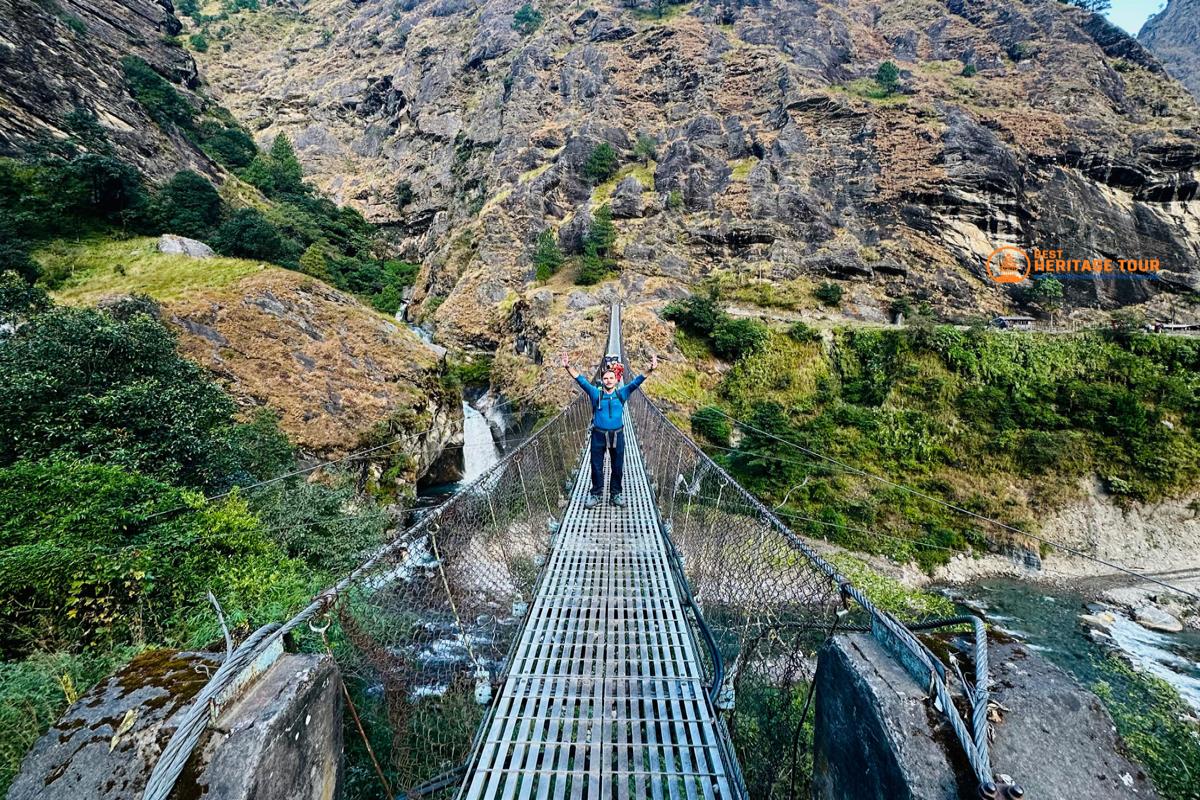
778 158
57 56
1173 35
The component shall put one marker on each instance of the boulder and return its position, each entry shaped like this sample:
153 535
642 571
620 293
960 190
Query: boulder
182 246
626 201
1154 618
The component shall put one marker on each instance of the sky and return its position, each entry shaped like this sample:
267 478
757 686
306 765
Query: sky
1130 14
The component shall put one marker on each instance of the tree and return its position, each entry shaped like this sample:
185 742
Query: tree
14 253
547 257
156 95
313 262
227 143
198 42
188 205
87 384
734 338
601 164
710 423
598 261
1095 6
404 194
289 175
248 234
527 19
19 301
1047 294
94 187
888 77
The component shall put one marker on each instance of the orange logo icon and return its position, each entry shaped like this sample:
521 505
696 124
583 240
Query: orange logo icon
1008 265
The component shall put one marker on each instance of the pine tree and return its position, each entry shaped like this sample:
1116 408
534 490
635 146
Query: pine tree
289 175
547 257
598 261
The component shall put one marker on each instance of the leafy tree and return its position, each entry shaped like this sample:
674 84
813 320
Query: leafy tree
289 175
404 194
734 338
157 96
829 293
646 149
601 164
598 260
189 205
228 144
94 188
1047 294
248 234
86 131
547 257
198 42
710 423
19 300
85 384
14 253
888 77
527 19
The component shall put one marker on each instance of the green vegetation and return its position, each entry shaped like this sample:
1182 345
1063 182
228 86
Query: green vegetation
969 71
701 315
601 164
1047 294
1006 426
107 546
547 257
734 338
598 261
710 423
198 42
527 19
646 149
1153 720
888 78
829 293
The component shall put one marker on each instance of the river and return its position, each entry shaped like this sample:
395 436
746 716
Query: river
1048 619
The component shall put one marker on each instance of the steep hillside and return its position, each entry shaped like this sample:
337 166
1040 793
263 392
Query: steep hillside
769 148
1173 35
339 375
57 57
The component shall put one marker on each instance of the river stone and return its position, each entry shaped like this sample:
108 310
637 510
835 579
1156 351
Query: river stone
182 246
1156 619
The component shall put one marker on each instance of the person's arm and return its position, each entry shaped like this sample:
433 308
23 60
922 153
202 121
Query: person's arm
584 384
629 388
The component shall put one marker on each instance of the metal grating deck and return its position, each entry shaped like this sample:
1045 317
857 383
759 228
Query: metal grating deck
604 698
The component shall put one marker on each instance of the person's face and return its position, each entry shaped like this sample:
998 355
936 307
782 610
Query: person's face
609 379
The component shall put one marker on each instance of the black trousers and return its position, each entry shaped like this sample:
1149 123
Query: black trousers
612 442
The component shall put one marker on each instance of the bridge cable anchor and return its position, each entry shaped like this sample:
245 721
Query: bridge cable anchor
483 685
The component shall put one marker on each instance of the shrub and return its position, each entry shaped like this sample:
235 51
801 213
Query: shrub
156 95
734 338
75 24
601 164
198 42
14 253
227 144
547 257
646 148
828 293
277 172
404 194
712 425
19 300
248 234
675 200
527 19
888 77
969 70
804 333
697 314
188 205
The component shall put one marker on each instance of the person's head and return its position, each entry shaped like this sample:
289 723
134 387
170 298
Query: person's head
609 379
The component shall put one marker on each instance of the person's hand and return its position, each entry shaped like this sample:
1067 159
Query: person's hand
566 362
653 363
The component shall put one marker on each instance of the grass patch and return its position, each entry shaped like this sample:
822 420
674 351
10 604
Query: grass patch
890 594
603 191
529 175
871 89
89 271
669 13
742 167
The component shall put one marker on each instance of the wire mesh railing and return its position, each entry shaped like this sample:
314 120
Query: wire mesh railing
766 600
422 629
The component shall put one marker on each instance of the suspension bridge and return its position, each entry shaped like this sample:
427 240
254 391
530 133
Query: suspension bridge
514 644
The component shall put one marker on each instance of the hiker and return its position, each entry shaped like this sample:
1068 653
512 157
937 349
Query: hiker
608 426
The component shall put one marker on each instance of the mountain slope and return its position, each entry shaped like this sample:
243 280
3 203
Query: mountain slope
1173 35
776 153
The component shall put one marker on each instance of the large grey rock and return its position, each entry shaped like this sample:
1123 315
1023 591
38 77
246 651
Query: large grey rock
280 740
626 202
877 737
182 246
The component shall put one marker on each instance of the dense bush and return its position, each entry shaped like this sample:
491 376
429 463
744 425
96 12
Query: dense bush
698 314
734 338
828 293
712 425
83 383
188 205
527 19
547 257
165 105
248 234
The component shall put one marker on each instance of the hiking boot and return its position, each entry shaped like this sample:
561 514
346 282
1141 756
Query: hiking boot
591 502
618 500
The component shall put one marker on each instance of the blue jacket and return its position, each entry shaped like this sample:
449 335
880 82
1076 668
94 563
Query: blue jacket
608 407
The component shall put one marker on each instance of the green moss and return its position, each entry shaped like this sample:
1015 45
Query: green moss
742 167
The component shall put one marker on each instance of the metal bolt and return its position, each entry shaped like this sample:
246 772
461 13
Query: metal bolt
1014 791
987 791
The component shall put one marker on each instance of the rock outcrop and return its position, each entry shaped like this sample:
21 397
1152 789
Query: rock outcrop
339 375
1173 35
1014 122
56 57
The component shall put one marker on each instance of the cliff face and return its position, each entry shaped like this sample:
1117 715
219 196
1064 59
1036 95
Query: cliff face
1173 35
776 156
59 56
